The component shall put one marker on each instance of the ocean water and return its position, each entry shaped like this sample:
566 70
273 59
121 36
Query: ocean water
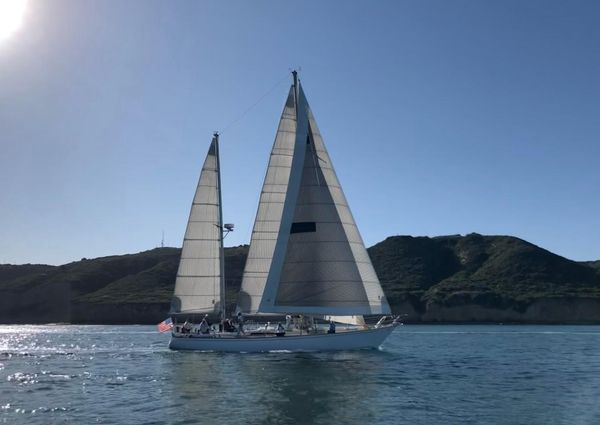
422 375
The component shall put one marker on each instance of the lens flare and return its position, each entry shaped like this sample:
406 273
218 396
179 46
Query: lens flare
11 16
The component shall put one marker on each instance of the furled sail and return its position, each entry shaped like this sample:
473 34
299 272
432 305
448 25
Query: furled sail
198 286
349 320
315 261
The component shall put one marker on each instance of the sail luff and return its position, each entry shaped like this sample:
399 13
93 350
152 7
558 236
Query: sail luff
198 281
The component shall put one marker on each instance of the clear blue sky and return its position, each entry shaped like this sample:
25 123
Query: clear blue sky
441 117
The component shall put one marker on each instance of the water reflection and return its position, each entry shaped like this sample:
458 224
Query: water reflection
275 388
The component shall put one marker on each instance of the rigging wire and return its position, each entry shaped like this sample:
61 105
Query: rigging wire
245 112
268 92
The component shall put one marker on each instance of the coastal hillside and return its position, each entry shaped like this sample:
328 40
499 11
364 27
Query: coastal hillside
470 278
477 278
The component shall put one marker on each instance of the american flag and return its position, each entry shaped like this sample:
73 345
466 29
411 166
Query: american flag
165 325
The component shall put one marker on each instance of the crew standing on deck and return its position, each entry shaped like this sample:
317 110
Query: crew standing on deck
204 327
280 330
240 320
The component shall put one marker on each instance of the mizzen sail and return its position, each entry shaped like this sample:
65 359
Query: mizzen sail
198 286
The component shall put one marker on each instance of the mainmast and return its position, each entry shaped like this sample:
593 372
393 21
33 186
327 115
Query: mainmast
295 77
220 226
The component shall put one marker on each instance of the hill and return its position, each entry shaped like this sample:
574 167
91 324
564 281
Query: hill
132 288
485 279
471 278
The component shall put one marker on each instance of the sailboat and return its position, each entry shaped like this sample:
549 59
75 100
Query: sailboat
306 263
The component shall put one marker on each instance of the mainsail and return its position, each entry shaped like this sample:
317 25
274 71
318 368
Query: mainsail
270 210
199 282
306 255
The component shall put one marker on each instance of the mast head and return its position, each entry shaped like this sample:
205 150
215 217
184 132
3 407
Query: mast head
295 76
216 135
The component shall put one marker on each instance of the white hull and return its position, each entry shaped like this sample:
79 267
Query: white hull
349 340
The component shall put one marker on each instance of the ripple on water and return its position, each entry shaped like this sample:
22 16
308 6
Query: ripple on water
423 374
23 378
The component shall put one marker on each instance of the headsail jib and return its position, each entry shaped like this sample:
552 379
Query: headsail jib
311 255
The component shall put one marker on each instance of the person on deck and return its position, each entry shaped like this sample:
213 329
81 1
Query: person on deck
204 327
280 330
331 328
227 326
240 320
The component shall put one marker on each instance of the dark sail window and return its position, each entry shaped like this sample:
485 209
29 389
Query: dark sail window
304 227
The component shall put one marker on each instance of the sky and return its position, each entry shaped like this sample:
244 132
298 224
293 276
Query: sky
441 117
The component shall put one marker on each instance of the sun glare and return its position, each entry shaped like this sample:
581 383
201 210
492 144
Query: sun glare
11 16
